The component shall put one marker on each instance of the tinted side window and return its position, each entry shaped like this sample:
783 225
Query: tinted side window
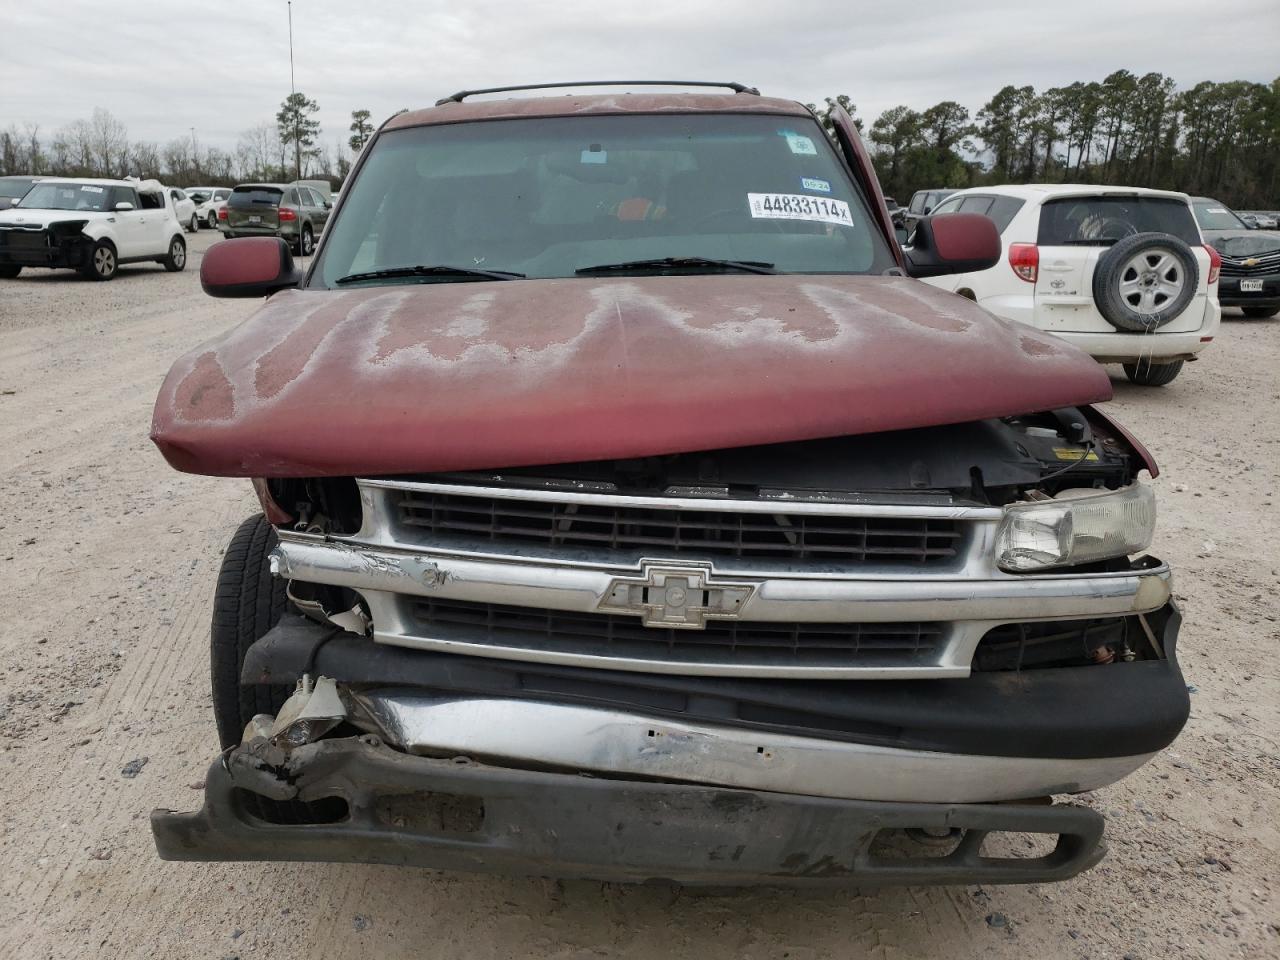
221 194
122 195
1101 221
917 202
1003 210
291 198
949 206
152 201
975 204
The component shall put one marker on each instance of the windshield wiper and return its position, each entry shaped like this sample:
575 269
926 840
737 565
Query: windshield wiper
439 270
744 266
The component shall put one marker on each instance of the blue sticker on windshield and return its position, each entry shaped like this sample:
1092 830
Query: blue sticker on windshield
812 183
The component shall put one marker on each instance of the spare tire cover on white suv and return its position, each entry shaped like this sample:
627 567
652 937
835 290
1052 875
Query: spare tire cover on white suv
1144 281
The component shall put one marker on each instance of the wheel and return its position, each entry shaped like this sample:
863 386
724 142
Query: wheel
1148 374
212 220
1144 281
194 225
247 602
1257 313
101 263
9 270
177 256
307 243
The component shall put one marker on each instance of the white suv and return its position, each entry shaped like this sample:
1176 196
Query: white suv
209 200
1121 272
92 226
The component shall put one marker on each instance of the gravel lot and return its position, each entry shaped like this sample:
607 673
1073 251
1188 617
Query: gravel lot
107 565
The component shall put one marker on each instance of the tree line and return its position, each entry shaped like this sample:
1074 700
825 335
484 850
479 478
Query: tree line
100 146
1218 139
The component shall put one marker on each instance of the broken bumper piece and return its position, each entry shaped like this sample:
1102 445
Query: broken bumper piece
460 815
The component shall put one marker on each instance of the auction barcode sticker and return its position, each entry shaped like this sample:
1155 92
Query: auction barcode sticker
796 206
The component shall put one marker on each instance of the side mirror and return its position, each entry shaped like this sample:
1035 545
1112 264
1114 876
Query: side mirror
328 204
951 243
124 206
248 267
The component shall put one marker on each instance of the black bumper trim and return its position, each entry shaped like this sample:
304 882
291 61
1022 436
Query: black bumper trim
1117 710
563 825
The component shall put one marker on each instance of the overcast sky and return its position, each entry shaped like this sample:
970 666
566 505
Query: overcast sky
163 67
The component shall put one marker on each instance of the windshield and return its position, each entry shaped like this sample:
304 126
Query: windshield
547 197
66 196
255 197
1214 216
1101 221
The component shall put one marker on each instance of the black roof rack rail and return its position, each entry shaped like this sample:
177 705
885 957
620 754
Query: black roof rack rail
735 87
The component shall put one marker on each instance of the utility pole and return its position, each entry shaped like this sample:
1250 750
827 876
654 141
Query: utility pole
195 153
297 143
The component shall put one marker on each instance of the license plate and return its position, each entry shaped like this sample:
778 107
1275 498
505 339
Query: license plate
255 219
1250 286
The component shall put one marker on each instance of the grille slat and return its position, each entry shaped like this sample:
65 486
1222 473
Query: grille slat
782 536
620 636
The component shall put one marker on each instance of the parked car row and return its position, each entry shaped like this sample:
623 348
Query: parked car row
91 225
94 225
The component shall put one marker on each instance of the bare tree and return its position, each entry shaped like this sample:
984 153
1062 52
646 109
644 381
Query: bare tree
255 149
109 141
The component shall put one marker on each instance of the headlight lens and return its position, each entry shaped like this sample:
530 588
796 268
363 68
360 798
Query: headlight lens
1077 526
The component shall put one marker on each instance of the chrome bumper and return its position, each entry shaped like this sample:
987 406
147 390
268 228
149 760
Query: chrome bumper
574 738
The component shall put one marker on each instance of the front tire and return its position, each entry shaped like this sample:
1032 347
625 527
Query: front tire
212 220
9 270
247 602
1260 313
101 263
1148 374
176 259
193 225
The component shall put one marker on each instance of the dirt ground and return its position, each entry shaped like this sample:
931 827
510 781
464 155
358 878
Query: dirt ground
107 566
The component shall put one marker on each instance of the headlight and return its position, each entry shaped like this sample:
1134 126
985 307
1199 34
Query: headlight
1077 526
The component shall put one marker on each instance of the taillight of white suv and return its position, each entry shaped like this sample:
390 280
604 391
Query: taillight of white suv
1215 264
1025 260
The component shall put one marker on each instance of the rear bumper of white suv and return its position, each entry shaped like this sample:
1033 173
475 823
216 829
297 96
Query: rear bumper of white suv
1116 346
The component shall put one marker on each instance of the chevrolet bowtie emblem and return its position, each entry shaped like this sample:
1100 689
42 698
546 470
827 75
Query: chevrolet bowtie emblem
676 595
1251 262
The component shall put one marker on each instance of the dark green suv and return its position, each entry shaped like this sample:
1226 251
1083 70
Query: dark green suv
293 212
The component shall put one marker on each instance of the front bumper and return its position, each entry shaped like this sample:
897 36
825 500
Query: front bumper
1230 295
460 815
44 248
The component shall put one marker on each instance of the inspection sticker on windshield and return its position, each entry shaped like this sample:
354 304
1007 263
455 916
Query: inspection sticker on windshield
796 206
88 189
800 144
813 183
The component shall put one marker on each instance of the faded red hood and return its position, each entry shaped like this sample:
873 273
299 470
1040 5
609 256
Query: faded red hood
457 376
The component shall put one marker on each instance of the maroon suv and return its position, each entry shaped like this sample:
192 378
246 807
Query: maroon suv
630 510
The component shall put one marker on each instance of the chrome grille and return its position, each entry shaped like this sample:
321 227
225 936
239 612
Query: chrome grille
608 635
1266 264
682 532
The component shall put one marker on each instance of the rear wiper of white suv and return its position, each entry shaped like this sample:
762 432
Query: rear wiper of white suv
745 266
439 270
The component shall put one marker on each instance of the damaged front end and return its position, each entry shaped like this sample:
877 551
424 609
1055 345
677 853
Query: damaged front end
859 660
60 244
